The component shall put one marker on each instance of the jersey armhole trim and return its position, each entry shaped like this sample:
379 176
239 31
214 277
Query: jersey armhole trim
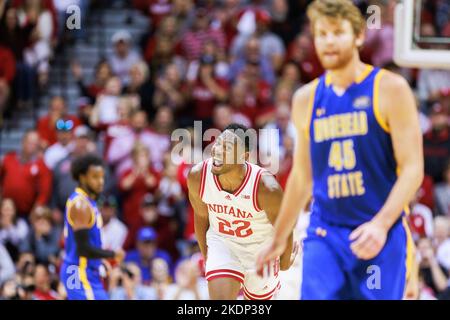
202 179
376 102
309 111
255 190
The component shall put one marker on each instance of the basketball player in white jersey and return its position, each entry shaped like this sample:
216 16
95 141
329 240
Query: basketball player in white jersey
236 204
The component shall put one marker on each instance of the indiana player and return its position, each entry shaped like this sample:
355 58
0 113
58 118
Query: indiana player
235 204
82 225
359 154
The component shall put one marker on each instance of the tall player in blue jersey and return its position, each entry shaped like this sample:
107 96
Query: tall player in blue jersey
359 155
82 225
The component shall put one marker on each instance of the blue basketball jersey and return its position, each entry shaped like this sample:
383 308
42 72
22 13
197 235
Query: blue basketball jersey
352 157
71 256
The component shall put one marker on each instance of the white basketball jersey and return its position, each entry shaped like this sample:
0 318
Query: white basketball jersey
236 216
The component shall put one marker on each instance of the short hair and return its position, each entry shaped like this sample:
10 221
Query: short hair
239 130
341 9
81 165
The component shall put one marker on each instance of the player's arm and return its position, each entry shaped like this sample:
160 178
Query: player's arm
201 218
269 198
299 184
399 113
80 213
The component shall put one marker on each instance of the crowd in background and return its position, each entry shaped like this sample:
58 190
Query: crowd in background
214 61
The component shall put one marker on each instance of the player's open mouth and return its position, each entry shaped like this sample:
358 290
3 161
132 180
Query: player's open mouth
217 164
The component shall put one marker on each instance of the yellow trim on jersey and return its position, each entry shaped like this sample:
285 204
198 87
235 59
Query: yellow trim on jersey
375 102
84 279
410 249
364 74
327 79
309 112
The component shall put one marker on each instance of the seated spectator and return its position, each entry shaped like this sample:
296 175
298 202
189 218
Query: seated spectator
441 240
120 150
42 282
188 283
168 90
24 177
13 230
135 182
442 193
123 56
160 277
437 143
164 122
43 239
7 269
140 87
46 126
146 253
103 73
105 111
64 143
126 284
114 231
7 74
435 275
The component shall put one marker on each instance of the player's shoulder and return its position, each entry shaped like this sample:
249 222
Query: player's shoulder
391 82
195 173
302 95
268 184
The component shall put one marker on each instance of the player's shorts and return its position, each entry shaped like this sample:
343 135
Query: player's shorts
82 283
230 260
332 271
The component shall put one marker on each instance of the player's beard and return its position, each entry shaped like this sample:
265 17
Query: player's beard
339 61
91 191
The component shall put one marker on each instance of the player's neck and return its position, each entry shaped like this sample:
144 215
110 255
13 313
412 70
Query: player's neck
89 194
230 181
343 77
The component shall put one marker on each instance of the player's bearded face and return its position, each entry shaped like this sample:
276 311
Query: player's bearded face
335 42
226 153
94 180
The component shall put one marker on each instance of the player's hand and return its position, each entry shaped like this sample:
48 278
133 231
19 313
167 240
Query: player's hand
368 240
120 255
269 254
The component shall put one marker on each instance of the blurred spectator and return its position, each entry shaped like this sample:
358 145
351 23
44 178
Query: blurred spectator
146 252
114 231
442 193
120 150
61 149
126 284
160 277
24 176
163 124
224 115
430 82
13 230
188 283
40 49
103 73
135 182
7 74
435 275
168 90
105 110
155 9
7 269
291 75
201 32
139 86
426 192
43 239
123 57
437 143
441 240
271 45
252 55
420 219
46 126
42 282
206 90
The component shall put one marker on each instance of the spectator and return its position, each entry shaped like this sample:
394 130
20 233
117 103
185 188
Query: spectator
146 253
160 277
43 240
7 74
7 269
188 283
139 86
120 151
135 182
42 281
437 143
123 57
155 9
24 176
126 284
430 82
61 149
420 219
200 33
103 73
168 90
46 126
164 124
114 232
105 111
442 193
441 239
13 230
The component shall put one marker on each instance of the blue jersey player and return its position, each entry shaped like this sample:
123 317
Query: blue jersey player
82 225
359 155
